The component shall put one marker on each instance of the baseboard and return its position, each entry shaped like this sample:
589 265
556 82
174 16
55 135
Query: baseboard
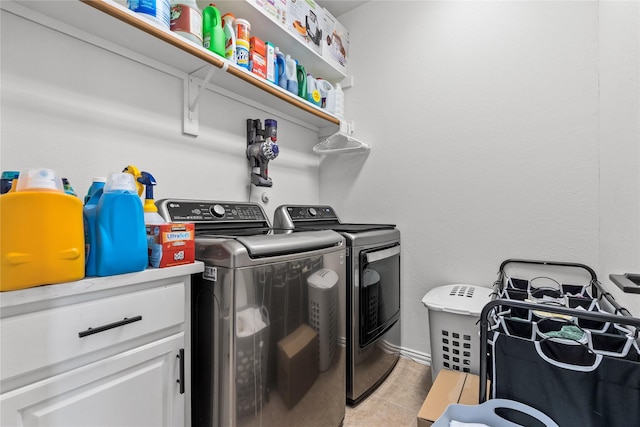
416 356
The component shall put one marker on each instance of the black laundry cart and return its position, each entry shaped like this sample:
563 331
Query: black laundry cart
560 345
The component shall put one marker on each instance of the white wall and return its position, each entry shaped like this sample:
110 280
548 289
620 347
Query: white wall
484 123
619 133
85 111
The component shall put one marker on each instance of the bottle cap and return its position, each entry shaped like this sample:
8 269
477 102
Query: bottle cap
10 174
99 179
39 179
120 181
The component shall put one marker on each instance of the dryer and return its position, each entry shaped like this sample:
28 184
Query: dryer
371 326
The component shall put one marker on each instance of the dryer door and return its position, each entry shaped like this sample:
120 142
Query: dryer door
379 291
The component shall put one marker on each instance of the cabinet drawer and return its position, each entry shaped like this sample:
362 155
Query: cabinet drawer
43 338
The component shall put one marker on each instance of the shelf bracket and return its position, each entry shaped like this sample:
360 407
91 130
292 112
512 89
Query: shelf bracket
192 91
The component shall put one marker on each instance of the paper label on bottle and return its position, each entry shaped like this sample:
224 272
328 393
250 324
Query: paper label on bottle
186 19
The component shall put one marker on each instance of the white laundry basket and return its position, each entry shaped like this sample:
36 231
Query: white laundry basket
454 311
487 414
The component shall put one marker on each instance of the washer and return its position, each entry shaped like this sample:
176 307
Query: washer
372 323
255 349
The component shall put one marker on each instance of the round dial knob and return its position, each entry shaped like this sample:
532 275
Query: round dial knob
312 212
217 211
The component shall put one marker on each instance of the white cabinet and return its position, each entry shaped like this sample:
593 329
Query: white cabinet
133 388
108 351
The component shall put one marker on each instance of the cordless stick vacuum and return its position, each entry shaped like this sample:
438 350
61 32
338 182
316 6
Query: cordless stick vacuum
262 146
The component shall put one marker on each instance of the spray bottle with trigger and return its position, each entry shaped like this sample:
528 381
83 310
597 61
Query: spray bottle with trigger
151 219
136 174
262 146
151 215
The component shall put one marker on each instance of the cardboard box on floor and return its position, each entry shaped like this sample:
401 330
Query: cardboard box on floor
449 387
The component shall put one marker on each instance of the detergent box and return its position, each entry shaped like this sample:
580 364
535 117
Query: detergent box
171 244
334 46
304 21
257 57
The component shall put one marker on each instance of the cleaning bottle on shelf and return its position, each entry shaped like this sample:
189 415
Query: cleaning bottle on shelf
90 212
291 72
328 94
96 184
229 37
67 187
242 29
212 32
131 169
186 20
6 182
152 220
151 215
42 234
121 241
281 80
301 74
157 11
313 93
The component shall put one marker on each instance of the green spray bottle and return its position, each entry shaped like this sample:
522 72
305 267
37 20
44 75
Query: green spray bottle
212 31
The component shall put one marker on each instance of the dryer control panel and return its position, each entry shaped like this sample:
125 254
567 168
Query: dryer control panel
306 213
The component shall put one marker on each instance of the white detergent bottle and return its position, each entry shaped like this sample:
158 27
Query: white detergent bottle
292 74
328 94
229 37
313 93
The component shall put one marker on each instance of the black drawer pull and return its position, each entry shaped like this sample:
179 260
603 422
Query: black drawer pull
92 331
181 379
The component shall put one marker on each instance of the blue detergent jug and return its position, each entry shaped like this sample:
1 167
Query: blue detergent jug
121 240
90 213
281 69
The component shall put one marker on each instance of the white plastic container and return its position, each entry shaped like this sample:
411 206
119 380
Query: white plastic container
454 311
328 94
242 53
186 20
313 93
229 37
242 28
156 11
487 414
291 73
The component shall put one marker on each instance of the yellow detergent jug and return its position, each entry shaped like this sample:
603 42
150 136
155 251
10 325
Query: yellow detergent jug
42 233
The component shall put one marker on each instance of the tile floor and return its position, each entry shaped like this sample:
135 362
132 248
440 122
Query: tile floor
397 401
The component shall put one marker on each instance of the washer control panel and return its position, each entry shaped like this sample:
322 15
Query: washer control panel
210 211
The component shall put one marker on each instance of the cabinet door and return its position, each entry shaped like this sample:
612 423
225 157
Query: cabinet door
137 388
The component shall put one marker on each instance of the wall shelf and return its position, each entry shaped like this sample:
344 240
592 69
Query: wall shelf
116 24
266 27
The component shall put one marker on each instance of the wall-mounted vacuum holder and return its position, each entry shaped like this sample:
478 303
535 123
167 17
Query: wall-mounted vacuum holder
262 146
